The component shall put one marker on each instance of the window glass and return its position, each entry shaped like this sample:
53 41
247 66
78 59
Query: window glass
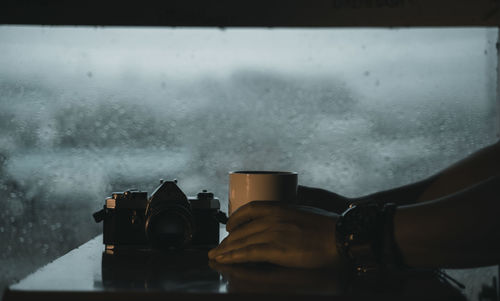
86 111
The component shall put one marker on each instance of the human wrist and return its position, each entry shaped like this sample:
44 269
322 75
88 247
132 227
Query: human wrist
365 237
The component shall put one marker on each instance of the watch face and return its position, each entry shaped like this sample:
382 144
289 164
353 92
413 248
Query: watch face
358 224
360 236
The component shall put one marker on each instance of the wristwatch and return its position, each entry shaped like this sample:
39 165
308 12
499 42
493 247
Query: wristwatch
365 237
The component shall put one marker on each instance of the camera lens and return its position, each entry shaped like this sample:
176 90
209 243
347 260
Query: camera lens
169 220
169 227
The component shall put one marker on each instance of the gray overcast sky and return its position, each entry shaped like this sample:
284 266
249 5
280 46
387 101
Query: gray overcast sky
410 59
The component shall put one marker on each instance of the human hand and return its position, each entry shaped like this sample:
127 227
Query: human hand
278 233
324 199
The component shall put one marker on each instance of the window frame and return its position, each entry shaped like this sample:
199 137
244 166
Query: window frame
260 13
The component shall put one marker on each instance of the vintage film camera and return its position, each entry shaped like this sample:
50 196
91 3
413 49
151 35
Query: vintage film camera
166 220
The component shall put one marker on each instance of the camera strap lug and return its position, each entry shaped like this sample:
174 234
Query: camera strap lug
221 217
100 215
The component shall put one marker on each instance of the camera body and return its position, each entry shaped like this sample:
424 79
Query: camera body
166 220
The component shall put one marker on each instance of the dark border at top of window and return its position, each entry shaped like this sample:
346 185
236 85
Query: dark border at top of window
253 13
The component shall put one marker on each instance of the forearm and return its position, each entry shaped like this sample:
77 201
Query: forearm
457 231
404 195
477 167
333 202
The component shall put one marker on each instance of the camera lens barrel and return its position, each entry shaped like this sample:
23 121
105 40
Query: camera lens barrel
169 227
169 219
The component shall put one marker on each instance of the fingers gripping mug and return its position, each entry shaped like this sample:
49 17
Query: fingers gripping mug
248 186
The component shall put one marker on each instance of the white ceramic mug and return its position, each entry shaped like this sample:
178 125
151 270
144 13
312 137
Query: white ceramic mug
248 186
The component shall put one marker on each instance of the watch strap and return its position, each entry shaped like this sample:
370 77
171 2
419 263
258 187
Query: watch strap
365 237
391 254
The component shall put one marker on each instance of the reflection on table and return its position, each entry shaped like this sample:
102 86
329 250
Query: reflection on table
190 271
89 273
